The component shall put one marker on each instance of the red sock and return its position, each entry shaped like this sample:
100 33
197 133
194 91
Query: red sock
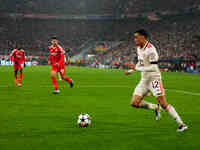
20 77
15 76
55 82
68 79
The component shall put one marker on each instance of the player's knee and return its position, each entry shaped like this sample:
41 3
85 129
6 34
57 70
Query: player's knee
135 104
53 74
136 101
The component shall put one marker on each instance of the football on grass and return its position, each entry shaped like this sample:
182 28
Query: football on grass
84 120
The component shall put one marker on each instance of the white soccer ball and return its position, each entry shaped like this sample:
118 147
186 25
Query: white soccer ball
84 120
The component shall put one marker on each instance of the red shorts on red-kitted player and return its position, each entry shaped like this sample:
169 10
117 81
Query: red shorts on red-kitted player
18 66
60 69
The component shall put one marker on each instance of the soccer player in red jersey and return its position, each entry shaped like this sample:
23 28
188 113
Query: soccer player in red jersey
18 58
57 61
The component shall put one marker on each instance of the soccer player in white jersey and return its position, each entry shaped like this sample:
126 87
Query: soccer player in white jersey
150 80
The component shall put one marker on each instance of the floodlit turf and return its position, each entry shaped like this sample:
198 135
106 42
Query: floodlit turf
32 118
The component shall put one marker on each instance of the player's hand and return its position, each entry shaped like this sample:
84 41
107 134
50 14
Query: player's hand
132 66
49 62
128 72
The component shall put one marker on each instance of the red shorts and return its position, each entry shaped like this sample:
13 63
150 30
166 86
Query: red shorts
18 66
60 69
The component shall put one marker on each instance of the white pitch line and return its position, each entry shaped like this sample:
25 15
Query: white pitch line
110 86
184 92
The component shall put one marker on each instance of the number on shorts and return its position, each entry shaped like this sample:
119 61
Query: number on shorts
155 84
141 62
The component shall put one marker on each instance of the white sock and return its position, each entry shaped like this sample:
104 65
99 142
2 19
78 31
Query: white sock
172 112
59 76
147 105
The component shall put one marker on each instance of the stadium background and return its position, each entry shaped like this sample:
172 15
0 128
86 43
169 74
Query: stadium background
98 33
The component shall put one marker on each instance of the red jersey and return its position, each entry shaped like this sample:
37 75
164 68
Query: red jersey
17 56
57 55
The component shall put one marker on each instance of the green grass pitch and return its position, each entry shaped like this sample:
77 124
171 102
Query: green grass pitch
32 118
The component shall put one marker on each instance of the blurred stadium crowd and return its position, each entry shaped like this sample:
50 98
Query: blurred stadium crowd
80 7
176 34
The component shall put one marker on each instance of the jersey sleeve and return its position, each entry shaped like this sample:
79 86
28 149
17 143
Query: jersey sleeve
11 55
23 57
139 62
50 56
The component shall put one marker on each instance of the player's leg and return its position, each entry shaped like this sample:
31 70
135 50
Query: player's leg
20 77
54 81
138 102
172 112
59 76
137 99
158 91
66 78
15 75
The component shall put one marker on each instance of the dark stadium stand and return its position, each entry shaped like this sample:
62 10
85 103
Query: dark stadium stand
96 7
175 35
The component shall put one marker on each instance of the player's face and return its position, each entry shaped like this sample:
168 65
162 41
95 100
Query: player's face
139 39
54 42
19 46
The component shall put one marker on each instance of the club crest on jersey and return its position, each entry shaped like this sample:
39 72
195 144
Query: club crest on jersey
18 56
54 54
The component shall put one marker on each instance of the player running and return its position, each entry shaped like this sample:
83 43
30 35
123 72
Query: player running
57 61
150 79
18 58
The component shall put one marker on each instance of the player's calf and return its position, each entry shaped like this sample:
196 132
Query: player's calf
54 81
172 112
20 77
15 74
67 79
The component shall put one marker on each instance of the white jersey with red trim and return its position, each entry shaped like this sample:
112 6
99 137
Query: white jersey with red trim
147 58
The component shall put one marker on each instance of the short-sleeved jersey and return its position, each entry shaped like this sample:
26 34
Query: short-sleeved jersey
57 54
146 56
17 56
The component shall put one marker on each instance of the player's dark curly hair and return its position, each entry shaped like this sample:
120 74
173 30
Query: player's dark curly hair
142 32
54 38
